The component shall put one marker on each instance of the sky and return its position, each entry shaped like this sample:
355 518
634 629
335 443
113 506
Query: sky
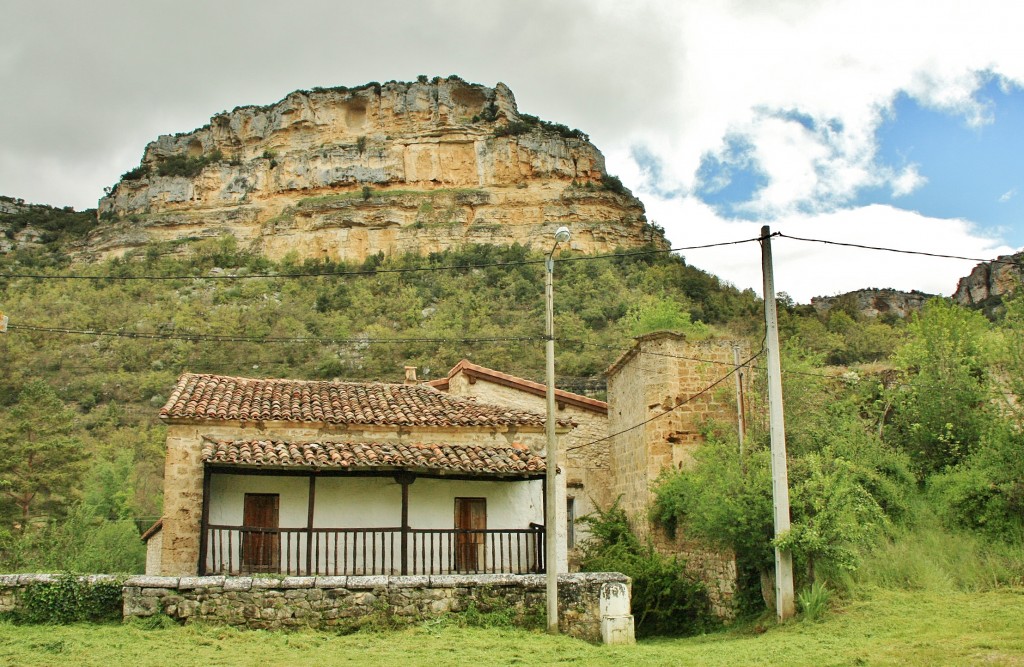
896 123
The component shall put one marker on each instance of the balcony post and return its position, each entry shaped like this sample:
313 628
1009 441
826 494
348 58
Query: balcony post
204 523
309 524
405 479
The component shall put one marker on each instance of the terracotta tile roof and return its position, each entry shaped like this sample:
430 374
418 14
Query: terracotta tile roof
481 372
216 397
472 459
153 530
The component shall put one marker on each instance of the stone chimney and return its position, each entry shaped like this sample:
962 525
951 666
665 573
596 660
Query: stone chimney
410 375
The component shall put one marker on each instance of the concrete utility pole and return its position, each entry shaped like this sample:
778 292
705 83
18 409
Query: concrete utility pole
551 475
784 605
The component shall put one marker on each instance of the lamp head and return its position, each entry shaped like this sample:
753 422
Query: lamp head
562 234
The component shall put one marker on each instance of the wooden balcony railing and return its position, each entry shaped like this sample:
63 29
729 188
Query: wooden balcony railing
233 550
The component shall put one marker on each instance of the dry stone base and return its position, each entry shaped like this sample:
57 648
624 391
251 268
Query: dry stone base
351 602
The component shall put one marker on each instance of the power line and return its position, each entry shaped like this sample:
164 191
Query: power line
901 251
675 407
370 272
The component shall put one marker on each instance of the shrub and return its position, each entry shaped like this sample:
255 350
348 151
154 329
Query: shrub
136 174
813 600
666 600
189 167
70 599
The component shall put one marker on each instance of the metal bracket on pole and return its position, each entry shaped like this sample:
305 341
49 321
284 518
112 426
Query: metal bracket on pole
784 603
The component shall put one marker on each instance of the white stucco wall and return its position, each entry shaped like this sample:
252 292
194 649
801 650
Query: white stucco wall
376 502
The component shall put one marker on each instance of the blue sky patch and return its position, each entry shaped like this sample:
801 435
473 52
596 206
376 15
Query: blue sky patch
975 173
731 179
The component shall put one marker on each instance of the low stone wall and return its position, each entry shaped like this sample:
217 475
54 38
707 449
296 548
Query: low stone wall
592 606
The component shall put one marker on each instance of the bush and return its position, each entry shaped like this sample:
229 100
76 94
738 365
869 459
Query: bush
666 600
70 599
189 167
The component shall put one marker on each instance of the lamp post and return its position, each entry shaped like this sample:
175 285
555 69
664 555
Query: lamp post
550 485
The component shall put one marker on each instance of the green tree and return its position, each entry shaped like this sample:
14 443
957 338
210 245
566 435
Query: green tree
40 462
941 408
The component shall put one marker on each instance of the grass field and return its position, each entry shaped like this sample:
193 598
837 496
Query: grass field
882 628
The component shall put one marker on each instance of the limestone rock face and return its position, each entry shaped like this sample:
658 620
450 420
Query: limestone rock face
989 280
875 302
346 173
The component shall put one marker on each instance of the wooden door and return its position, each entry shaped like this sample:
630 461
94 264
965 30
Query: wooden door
261 549
470 515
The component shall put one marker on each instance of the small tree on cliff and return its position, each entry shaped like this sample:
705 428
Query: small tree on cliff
39 459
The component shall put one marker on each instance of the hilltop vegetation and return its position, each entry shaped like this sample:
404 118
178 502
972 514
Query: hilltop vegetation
882 415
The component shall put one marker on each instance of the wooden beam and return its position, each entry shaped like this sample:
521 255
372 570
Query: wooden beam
204 523
309 524
405 479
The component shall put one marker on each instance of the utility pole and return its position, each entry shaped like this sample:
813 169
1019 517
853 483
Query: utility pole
784 604
551 453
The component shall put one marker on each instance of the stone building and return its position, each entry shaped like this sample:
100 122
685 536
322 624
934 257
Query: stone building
583 453
659 402
334 478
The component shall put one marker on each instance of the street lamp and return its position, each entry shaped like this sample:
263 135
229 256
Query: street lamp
551 497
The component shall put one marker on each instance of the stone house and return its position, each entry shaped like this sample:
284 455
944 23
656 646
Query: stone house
337 478
583 453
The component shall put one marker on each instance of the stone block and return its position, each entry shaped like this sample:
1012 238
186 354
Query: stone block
188 583
138 606
617 630
416 581
331 582
378 581
266 582
237 583
144 581
297 582
614 599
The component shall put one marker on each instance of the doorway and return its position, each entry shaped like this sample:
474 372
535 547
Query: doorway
261 542
470 522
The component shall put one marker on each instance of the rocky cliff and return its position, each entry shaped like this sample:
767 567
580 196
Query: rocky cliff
989 281
874 302
346 173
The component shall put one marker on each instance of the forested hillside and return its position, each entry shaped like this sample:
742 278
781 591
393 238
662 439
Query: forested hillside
878 411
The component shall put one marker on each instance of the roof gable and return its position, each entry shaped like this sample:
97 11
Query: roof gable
475 371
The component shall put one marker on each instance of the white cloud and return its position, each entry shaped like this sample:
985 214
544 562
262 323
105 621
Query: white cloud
1008 195
908 180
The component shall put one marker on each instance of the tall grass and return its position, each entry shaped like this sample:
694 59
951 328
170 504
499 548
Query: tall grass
924 555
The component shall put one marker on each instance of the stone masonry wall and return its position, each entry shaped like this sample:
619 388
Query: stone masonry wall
664 374
349 602
183 468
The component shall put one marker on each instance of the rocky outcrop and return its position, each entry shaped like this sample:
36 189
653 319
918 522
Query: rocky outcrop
874 302
346 173
989 281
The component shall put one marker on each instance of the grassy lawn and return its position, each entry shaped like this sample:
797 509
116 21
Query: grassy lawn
886 628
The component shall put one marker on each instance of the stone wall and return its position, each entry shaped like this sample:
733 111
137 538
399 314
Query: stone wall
592 606
665 374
